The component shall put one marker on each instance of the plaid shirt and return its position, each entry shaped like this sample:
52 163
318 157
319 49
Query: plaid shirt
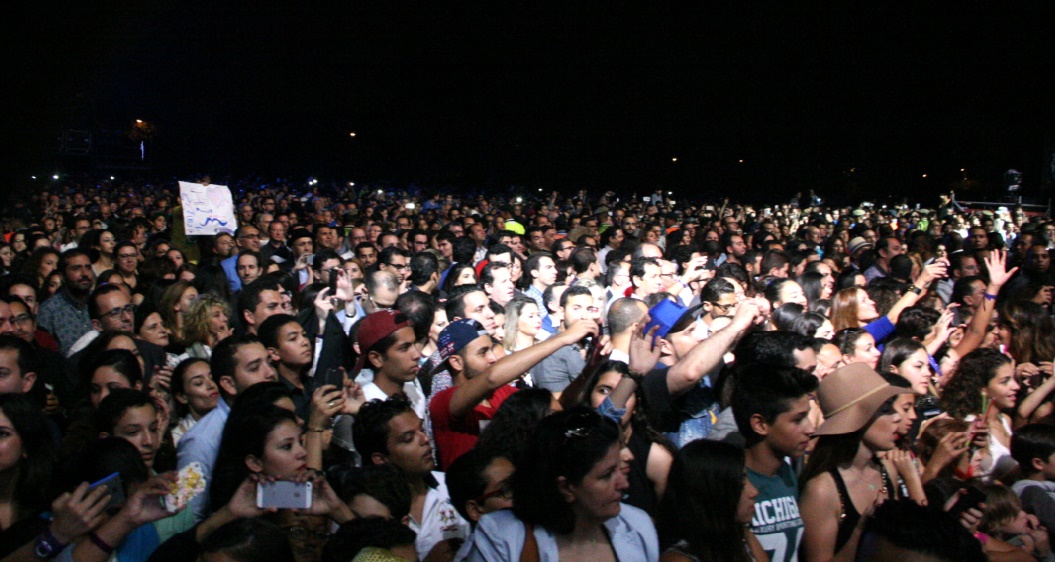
65 318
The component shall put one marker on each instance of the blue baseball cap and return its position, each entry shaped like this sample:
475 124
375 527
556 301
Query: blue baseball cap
670 316
457 335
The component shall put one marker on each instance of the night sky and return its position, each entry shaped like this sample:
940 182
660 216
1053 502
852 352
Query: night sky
547 97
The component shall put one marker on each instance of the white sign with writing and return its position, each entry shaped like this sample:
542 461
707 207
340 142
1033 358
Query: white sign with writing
207 209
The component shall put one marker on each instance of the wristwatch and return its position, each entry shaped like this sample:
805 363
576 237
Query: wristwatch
48 546
915 289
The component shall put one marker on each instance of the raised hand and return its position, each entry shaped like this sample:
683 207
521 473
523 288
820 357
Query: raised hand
580 329
694 270
162 378
996 264
934 270
326 402
344 285
644 350
353 398
322 303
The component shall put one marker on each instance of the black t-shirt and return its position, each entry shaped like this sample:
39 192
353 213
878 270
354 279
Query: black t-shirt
23 531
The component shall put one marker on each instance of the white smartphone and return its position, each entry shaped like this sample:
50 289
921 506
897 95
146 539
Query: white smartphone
284 495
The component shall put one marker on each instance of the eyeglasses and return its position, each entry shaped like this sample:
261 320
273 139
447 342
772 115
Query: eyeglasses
22 319
127 256
723 307
505 491
249 236
116 313
398 266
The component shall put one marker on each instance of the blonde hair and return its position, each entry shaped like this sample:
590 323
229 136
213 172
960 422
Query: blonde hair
513 310
196 318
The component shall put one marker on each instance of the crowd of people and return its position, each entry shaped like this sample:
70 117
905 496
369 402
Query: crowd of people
545 377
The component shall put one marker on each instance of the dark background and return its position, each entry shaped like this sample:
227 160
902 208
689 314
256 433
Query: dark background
555 98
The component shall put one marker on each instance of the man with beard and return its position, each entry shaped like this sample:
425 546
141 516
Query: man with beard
247 239
65 315
481 381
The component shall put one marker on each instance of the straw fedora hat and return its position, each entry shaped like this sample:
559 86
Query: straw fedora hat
850 396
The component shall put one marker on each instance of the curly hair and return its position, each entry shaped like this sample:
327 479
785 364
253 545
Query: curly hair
36 258
962 395
196 318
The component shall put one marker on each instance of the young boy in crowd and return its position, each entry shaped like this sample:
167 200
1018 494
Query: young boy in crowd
772 405
389 432
1033 447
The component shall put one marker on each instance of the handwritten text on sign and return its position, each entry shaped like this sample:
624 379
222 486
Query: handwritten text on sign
207 209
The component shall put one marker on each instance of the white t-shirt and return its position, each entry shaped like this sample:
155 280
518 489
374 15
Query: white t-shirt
439 520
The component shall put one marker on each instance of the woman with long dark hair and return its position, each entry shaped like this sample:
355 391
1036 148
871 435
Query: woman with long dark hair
41 263
27 463
653 453
844 479
263 440
27 459
100 245
908 358
567 498
814 287
195 393
515 421
460 274
706 513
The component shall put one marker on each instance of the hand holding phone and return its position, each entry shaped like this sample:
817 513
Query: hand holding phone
115 487
283 494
